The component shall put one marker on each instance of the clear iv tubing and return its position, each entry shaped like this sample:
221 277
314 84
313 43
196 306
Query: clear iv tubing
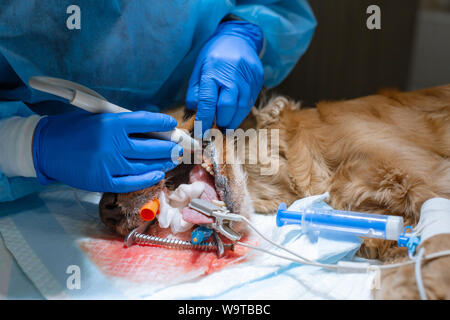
336 267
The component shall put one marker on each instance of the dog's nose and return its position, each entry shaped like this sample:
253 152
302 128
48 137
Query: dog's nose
110 212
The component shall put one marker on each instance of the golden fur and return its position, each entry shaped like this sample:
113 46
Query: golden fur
385 153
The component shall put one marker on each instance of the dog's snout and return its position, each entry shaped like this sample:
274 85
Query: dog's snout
110 212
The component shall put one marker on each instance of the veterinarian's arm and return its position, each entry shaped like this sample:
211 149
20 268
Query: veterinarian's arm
17 175
17 123
261 46
88 151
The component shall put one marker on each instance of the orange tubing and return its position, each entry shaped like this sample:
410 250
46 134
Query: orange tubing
149 210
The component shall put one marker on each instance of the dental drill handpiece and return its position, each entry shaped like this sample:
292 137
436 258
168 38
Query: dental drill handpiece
89 100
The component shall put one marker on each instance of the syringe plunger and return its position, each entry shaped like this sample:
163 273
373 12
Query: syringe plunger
360 224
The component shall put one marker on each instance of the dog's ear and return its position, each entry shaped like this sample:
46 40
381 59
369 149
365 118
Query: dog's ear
270 114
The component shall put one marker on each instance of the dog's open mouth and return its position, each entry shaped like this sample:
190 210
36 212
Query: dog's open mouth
201 184
221 184
156 262
201 174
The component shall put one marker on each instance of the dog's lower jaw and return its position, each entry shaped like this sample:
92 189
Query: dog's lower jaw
127 206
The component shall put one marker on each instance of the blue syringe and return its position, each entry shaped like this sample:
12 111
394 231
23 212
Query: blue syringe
355 223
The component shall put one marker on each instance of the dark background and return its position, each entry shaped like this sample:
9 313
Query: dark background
347 60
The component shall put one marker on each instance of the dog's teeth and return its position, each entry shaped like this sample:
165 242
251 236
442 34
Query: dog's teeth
219 203
208 167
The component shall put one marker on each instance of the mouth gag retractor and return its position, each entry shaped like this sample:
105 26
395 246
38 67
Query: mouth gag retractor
139 236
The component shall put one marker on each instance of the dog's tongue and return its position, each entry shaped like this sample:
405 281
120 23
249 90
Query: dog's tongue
200 174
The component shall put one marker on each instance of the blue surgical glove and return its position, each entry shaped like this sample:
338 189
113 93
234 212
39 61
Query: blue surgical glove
227 76
95 151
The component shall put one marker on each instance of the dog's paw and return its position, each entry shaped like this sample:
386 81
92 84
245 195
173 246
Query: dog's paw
400 283
270 113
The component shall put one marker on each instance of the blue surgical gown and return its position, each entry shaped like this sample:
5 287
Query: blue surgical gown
137 54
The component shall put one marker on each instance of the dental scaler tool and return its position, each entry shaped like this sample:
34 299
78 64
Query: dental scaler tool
89 100
328 220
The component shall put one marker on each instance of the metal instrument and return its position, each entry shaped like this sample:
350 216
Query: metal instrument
223 218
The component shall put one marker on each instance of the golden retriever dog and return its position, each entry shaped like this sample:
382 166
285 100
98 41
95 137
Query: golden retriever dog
386 153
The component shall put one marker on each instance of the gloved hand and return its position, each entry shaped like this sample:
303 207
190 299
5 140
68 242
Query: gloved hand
94 151
227 75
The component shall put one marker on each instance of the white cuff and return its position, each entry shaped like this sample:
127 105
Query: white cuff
16 140
434 218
